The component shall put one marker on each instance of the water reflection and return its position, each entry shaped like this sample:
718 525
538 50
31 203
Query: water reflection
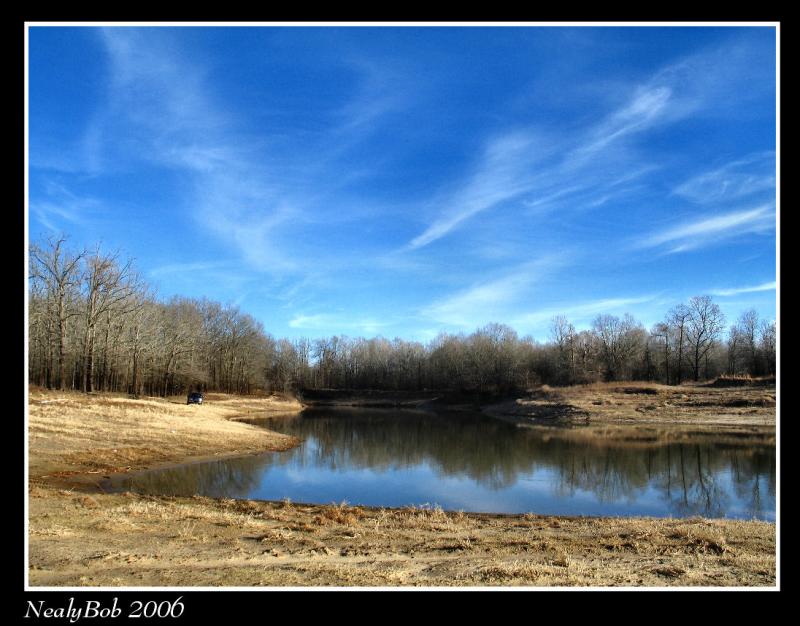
471 462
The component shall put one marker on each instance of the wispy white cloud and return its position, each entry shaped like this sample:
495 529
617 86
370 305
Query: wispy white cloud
582 311
501 175
56 207
491 299
53 215
737 179
735 291
318 320
547 199
524 162
249 193
335 323
377 95
174 121
644 109
696 233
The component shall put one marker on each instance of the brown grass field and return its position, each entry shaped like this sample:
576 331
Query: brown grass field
70 433
79 536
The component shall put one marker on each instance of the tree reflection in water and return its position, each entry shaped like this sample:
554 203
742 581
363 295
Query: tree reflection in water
712 479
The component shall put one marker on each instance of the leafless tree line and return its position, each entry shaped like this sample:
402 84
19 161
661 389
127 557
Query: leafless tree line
690 343
94 324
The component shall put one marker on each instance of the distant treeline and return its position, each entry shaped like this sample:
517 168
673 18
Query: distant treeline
95 325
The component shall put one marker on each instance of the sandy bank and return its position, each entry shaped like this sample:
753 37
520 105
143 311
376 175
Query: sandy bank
643 403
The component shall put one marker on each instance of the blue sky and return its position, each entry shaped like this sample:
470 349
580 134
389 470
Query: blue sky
403 181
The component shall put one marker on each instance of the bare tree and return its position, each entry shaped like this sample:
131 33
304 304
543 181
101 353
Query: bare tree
139 329
734 348
107 286
58 270
620 339
747 328
767 343
705 324
563 334
661 333
678 318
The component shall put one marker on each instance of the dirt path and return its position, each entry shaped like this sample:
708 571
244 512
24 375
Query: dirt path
80 537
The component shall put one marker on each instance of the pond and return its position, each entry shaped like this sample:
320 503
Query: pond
471 462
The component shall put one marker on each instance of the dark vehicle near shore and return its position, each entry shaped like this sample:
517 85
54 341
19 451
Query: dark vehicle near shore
194 398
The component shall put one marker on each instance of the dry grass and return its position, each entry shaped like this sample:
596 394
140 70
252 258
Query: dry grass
742 381
339 514
750 404
159 541
76 433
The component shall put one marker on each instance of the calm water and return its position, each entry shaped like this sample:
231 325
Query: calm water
476 463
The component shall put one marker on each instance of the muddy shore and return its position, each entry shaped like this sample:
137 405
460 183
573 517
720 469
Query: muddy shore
81 536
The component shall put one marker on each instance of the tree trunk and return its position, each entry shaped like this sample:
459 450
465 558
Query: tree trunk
62 340
89 362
